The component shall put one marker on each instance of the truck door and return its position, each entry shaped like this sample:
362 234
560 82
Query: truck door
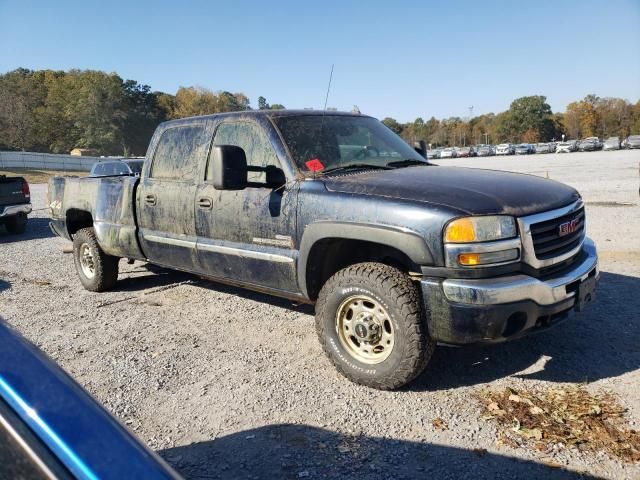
247 235
166 194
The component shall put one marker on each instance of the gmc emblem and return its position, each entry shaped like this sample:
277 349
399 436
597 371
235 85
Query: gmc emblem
568 227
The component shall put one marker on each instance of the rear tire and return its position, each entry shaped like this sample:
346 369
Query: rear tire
17 224
370 321
97 271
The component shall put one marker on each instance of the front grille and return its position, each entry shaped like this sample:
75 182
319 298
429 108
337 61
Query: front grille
548 243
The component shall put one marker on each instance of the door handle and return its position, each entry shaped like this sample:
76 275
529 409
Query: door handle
150 199
205 203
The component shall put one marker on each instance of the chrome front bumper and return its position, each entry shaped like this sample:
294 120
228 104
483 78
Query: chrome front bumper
515 288
11 210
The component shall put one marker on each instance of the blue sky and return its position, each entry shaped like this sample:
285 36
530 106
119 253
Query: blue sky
392 58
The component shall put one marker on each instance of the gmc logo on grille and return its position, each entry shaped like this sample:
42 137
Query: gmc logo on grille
568 227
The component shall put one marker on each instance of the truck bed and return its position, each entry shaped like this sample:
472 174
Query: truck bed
106 203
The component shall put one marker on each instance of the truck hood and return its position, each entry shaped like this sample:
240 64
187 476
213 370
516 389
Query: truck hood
471 191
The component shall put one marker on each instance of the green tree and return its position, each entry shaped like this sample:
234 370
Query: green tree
530 114
393 124
262 104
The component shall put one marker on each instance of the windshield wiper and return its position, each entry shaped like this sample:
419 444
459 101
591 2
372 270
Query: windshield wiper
355 166
407 163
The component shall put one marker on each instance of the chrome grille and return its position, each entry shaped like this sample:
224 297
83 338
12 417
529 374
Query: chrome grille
548 242
542 245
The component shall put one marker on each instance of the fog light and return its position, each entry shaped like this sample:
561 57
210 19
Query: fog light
471 259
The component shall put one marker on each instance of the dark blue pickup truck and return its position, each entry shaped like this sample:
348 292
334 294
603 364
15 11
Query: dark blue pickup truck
335 209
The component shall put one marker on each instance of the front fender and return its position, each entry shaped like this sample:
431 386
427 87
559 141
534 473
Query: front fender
407 241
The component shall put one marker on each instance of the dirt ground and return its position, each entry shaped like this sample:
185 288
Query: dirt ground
38 176
226 383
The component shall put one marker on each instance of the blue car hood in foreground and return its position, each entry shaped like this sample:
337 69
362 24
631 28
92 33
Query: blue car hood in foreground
86 439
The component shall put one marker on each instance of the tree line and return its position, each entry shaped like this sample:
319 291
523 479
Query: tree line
56 111
528 119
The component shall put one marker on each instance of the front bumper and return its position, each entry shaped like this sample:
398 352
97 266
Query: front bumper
11 210
463 311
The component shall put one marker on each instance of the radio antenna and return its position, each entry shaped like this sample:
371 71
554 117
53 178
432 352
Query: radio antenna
324 110
326 98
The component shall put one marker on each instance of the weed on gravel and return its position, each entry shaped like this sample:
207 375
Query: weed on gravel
566 417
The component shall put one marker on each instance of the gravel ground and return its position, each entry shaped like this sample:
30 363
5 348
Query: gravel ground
226 383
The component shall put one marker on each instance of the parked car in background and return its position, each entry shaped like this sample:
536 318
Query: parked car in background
567 147
542 148
448 153
463 152
505 149
50 428
484 150
589 144
524 149
552 146
431 154
632 141
611 143
109 168
15 203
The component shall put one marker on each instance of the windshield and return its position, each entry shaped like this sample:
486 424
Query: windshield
634 137
318 143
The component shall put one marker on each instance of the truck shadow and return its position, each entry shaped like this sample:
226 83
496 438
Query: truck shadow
601 342
37 227
166 277
298 451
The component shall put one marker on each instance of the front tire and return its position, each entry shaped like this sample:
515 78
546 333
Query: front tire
97 271
17 224
370 322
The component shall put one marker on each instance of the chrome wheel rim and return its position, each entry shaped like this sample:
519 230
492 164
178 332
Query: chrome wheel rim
365 329
86 261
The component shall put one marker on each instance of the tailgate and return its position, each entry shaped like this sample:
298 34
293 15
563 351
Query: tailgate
11 191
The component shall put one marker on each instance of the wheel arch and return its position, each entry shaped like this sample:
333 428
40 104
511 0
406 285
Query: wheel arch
77 219
327 247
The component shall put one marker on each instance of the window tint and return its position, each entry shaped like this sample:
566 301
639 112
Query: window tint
179 151
252 139
98 169
120 169
339 140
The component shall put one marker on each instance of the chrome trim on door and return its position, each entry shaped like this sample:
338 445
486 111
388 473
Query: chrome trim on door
240 252
170 241
528 251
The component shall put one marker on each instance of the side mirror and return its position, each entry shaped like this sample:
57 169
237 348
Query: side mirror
421 148
228 168
274 176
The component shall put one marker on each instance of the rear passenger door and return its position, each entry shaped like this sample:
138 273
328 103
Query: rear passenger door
165 197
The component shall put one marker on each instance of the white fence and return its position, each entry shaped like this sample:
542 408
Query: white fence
46 161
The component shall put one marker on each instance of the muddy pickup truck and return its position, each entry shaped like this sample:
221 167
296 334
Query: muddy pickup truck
334 209
15 203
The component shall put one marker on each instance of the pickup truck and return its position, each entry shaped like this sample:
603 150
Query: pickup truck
335 209
15 203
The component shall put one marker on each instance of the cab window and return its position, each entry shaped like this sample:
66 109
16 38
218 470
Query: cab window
251 138
179 152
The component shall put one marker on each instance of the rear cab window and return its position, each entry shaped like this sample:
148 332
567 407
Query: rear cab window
179 153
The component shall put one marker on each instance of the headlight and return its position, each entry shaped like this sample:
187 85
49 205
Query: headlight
480 229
